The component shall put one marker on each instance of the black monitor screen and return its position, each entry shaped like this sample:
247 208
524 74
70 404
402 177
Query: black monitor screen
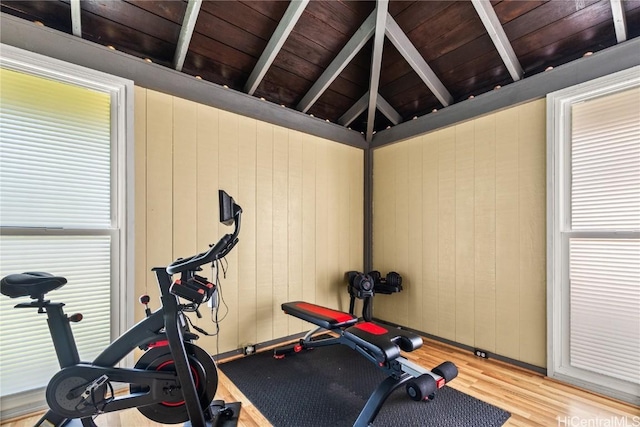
226 207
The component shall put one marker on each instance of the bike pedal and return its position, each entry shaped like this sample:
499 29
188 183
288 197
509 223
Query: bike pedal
94 386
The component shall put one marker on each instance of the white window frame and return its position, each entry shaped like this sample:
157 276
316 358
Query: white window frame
559 231
122 194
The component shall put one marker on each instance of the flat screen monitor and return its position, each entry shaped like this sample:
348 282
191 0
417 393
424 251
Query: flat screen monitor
227 207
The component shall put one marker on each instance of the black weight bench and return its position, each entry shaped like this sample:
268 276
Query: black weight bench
378 344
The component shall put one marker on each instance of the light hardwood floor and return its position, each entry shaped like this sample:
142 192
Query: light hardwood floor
532 399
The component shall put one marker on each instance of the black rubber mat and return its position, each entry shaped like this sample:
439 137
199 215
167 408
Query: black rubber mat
329 386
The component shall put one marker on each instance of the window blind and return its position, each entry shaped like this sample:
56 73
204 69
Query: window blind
26 351
604 251
605 306
605 163
56 216
55 154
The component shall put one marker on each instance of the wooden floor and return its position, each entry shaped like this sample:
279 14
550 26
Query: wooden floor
532 399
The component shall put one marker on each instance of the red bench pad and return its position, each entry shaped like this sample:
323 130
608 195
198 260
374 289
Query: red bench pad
322 316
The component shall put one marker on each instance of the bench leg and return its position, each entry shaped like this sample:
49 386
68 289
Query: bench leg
377 398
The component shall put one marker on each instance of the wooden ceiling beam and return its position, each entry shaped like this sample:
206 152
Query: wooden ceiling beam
361 105
354 111
417 62
279 36
353 46
382 8
619 20
186 32
492 24
389 112
76 20
607 61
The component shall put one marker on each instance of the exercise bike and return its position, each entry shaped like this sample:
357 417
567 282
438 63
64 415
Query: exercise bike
174 381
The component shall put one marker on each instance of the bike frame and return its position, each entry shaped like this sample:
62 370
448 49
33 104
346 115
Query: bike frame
147 331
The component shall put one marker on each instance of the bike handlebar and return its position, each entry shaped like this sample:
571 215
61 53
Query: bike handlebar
217 251
196 261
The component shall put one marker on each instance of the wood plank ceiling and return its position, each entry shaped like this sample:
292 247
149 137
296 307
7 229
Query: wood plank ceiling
325 57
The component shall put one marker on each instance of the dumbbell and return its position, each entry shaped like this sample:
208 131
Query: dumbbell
360 284
387 285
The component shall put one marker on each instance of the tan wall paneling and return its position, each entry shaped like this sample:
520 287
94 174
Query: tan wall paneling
415 258
392 255
294 227
264 231
247 267
343 220
140 185
352 199
159 236
206 203
476 199
507 234
465 236
392 227
401 236
184 178
322 224
228 150
356 200
532 199
446 314
384 228
430 233
309 179
280 220
485 233
184 211
337 209
380 160
332 210
300 212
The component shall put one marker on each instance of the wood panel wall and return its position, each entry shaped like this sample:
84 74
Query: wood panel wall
302 198
460 214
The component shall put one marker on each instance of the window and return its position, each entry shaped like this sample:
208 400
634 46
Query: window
594 235
62 210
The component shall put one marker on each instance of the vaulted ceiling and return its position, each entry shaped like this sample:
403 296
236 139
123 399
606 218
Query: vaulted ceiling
367 65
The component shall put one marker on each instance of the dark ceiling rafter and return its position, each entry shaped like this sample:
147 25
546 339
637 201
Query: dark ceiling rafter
186 32
355 110
441 52
382 7
353 46
619 20
492 24
617 58
23 34
417 62
288 21
392 30
388 110
361 105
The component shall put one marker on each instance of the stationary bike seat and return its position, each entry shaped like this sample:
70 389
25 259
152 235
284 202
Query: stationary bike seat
33 284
